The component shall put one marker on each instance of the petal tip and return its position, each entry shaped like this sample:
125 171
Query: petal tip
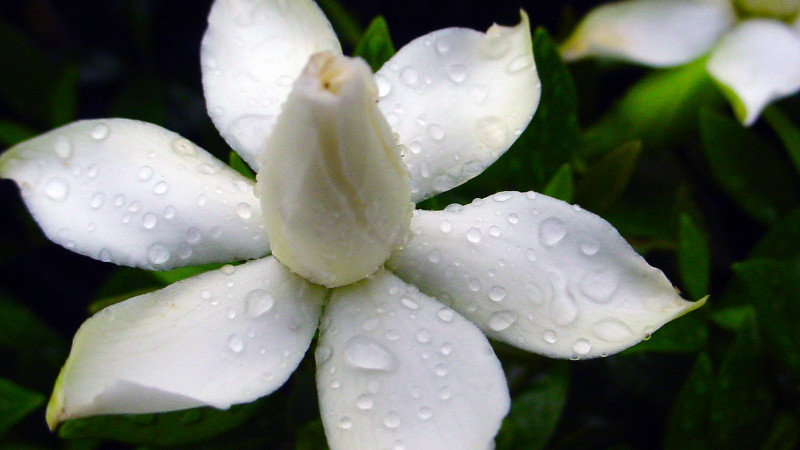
56 413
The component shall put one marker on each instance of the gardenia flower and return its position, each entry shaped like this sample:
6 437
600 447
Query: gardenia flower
401 300
754 45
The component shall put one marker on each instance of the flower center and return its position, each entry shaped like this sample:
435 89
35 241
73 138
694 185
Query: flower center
784 10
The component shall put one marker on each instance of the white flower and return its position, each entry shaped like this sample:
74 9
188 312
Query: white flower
404 299
754 45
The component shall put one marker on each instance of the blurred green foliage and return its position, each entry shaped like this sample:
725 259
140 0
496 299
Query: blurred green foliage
661 156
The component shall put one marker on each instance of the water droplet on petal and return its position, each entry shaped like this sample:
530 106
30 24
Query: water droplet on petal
145 173
384 86
612 330
160 187
446 314
436 132
441 369
158 254
244 210
391 419
474 235
409 75
497 293
442 46
457 73
235 343
63 147
581 347
99 131
435 256
425 413
519 63
97 200
183 147
589 247
105 255
345 423
366 353
193 235
57 189
322 354
551 231
501 320
599 285
549 336
257 303
423 336
149 221
445 226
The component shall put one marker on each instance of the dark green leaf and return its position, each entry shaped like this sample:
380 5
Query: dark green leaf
174 428
12 133
171 276
775 289
748 170
687 426
784 434
606 180
561 185
238 164
345 24
65 97
741 400
552 137
786 131
657 110
375 45
683 335
694 259
734 318
782 240
31 350
143 97
311 437
535 412
16 402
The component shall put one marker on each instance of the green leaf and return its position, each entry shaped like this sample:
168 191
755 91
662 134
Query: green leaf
561 185
32 351
12 133
606 180
684 335
238 164
552 137
782 240
687 426
784 434
311 437
535 413
65 97
173 428
16 402
786 131
747 169
657 110
741 402
345 24
694 259
170 276
142 97
734 318
375 45
775 289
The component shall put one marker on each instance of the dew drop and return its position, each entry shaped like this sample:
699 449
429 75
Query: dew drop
442 46
445 393
228 269
409 75
57 189
441 370
425 413
589 247
384 86
446 314
119 200
63 147
97 200
345 423
235 343
445 226
581 347
497 293
409 303
366 353
257 303
184 251
322 353
530 255
457 73
474 235
157 254
183 147
599 285
99 131
435 256
492 131
160 187
474 285
169 212
193 235
551 231
436 132
415 147
364 402
423 336
92 171
145 173
519 63
612 330
513 218
501 320
391 419
206 169
105 255
494 231
149 221
231 313
549 336
446 349
244 210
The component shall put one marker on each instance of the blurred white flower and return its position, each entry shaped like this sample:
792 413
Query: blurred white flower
753 45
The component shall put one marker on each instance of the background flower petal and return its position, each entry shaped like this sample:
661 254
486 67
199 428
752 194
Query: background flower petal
758 62
458 99
539 274
252 52
223 337
395 368
652 32
133 193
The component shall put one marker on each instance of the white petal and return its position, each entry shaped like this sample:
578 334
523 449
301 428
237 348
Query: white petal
134 193
252 52
653 32
757 63
396 369
458 99
540 274
223 337
332 186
